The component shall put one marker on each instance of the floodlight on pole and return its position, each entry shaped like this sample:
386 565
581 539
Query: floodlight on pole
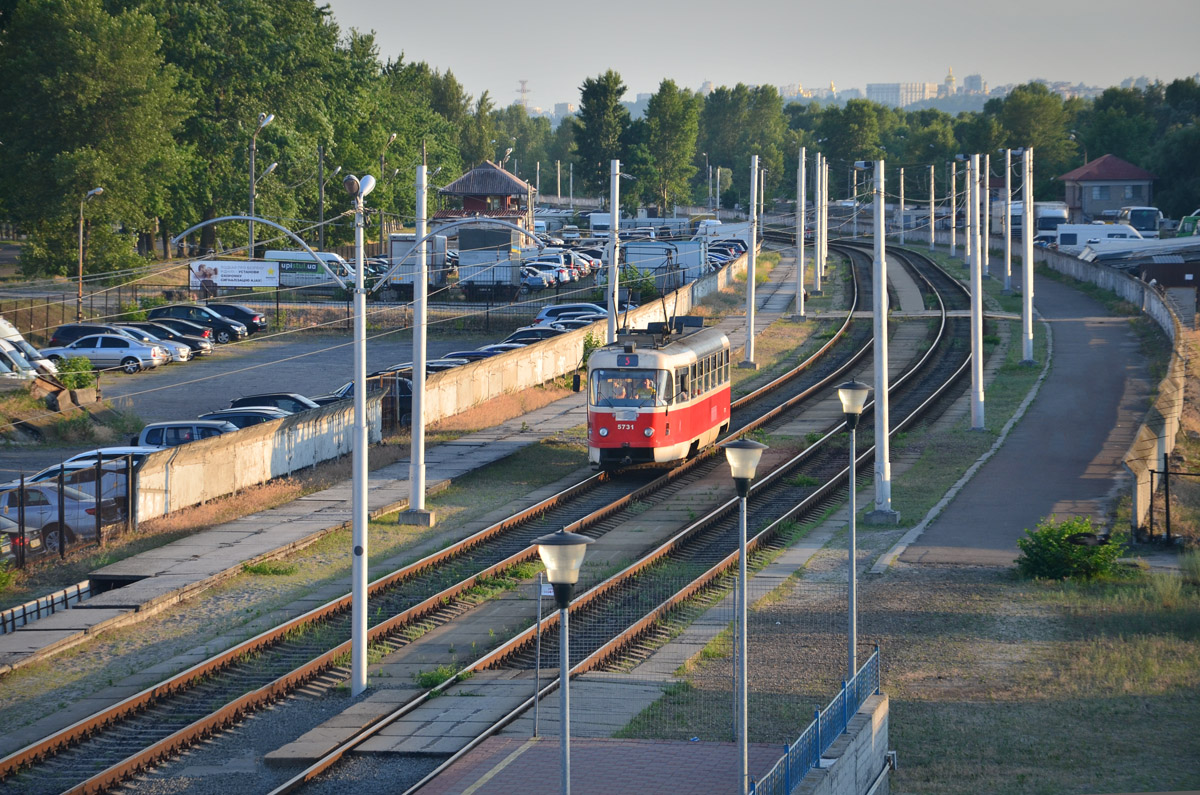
743 456
263 120
91 194
562 553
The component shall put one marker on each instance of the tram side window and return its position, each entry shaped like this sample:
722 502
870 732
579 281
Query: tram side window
697 387
724 366
684 383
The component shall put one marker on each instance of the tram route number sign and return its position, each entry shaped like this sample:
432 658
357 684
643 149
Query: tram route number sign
627 360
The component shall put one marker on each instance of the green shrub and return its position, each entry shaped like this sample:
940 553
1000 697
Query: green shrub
271 568
1046 552
591 342
7 575
76 373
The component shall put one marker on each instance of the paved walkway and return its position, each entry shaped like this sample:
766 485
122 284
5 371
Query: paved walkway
1064 456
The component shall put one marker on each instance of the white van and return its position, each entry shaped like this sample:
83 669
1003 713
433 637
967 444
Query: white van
1144 219
9 333
1072 238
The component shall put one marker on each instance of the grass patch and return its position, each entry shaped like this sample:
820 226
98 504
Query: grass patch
271 568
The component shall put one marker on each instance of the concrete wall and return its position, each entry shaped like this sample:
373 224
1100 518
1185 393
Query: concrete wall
453 391
855 759
189 474
1156 436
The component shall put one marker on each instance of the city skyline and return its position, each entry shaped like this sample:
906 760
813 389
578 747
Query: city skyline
810 47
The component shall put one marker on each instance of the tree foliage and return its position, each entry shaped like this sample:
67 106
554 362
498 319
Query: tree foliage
603 124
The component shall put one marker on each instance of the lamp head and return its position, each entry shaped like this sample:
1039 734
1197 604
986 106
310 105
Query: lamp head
853 395
93 192
435 172
264 119
961 158
562 552
863 165
743 456
366 185
270 168
351 184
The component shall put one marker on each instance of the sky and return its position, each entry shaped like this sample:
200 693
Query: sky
555 45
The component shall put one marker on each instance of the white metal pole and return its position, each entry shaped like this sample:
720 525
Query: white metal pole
883 466
358 655
977 423
1027 231
968 204
1008 220
816 180
743 669
800 213
537 183
953 207
416 500
558 178
709 206
901 205
718 207
613 248
751 259
932 203
825 215
985 222
564 704
852 576
854 202
571 185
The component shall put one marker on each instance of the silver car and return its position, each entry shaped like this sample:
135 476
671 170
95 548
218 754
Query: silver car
41 513
178 351
111 351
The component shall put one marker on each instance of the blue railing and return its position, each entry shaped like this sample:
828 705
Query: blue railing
805 754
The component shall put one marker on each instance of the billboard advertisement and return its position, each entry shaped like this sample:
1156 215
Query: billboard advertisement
210 274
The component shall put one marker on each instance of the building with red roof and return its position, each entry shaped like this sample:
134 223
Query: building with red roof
1096 191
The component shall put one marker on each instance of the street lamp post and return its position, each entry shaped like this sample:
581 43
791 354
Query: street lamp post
358 190
562 552
743 456
79 296
321 201
263 120
708 169
853 395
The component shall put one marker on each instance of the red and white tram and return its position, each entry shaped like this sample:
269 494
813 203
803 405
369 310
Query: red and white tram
657 401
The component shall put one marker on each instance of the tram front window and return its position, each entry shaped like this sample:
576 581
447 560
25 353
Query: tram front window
633 388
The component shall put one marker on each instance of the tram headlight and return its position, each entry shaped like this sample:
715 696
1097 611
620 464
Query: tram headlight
649 432
604 431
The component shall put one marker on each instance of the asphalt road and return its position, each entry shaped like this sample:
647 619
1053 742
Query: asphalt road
310 365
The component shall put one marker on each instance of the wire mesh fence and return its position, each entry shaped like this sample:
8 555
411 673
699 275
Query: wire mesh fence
677 682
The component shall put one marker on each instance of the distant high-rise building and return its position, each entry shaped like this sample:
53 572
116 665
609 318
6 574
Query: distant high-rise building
564 109
973 84
706 88
900 95
949 88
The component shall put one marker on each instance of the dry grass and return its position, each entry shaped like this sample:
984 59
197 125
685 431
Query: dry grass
501 409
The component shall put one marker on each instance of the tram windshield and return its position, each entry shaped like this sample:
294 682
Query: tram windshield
619 388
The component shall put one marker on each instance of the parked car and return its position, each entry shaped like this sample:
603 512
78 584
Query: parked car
178 351
471 356
9 531
69 332
171 434
571 324
534 281
245 416
224 329
9 333
199 345
532 334
252 320
111 351
114 454
290 402
41 513
14 360
346 392
82 475
502 347
554 310
186 327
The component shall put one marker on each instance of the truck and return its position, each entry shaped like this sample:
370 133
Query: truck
489 263
1046 218
600 224
1144 219
400 251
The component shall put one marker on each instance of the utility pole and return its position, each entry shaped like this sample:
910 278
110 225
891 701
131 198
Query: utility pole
902 205
977 420
932 205
800 213
1027 256
751 257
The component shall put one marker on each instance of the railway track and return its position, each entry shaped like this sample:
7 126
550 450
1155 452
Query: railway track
99 752
707 548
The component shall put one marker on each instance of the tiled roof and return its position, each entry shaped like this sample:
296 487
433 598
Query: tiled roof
1106 169
487 179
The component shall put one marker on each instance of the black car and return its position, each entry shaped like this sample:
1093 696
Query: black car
252 320
245 417
199 345
185 327
68 333
224 329
532 334
288 401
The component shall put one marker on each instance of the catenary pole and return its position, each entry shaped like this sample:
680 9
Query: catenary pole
1008 220
750 265
901 205
985 213
883 467
977 419
800 213
1027 256
932 205
953 205
614 248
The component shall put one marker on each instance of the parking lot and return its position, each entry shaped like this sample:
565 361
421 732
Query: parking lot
308 364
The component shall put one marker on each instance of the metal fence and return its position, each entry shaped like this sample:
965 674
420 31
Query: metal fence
805 753
72 507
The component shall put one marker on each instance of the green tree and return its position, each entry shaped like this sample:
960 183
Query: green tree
479 135
85 101
603 123
673 121
1032 115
